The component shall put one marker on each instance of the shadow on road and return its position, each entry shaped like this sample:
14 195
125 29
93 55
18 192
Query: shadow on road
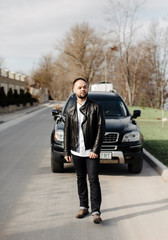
135 214
117 170
106 169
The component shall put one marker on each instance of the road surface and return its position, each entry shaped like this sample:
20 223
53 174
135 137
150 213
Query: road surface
36 204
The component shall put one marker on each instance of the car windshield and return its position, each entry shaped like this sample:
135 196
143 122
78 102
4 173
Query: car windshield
112 107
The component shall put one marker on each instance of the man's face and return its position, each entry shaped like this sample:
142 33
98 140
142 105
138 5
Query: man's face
81 89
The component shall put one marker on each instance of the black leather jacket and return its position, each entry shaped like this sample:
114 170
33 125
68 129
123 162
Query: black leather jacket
93 127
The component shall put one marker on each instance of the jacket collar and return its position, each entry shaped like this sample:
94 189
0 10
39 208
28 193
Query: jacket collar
83 108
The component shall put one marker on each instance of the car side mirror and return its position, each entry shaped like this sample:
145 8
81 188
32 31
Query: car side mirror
56 113
136 113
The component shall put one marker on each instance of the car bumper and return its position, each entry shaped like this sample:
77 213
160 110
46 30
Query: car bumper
122 158
117 157
123 154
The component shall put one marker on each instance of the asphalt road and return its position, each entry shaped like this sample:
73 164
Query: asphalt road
36 204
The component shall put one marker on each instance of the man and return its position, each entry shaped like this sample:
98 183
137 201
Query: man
83 136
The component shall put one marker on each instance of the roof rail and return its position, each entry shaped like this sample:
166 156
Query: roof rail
114 91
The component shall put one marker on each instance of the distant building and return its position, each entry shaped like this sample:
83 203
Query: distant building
11 80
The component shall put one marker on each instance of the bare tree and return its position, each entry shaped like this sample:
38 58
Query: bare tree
80 55
43 76
122 16
158 41
82 52
62 77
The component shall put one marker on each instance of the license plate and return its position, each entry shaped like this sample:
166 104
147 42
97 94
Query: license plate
105 155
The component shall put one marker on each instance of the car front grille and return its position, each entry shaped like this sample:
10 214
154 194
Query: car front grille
111 137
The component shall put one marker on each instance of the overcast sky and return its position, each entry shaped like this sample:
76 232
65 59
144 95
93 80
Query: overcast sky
31 28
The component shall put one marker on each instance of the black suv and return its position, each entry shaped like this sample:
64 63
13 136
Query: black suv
123 141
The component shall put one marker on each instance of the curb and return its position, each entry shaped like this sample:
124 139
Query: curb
156 164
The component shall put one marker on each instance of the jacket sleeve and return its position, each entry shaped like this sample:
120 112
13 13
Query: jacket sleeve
100 131
67 136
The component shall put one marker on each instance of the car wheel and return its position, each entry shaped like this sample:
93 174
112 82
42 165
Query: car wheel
56 165
137 166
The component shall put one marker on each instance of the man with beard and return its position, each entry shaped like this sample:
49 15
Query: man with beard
83 136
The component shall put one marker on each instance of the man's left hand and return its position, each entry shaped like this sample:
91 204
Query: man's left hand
93 155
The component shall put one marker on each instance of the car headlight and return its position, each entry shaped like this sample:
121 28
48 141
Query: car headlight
59 135
131 137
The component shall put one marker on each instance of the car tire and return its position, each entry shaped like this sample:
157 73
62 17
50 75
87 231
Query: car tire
56 165
137 166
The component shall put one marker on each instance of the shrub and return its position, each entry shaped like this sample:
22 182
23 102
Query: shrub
3 98
10 97
22 97
29 98
16 98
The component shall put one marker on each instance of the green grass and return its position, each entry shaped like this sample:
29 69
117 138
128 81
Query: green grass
155 136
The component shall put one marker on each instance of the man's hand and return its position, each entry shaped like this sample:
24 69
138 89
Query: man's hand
68 158
93 155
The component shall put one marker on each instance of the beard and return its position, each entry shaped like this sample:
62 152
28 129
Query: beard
83 96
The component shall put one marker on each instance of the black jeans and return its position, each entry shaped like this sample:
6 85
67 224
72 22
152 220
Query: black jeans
84 166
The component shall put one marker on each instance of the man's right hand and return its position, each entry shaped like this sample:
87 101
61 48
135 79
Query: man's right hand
68 158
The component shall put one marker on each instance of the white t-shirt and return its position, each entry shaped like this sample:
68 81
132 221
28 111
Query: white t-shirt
80 151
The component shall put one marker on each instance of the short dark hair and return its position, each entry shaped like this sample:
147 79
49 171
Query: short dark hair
77 79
